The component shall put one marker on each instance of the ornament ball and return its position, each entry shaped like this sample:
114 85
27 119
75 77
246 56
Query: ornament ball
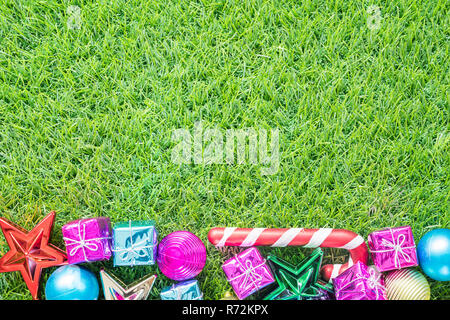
433 251
229 296
181 255
406 284
72 282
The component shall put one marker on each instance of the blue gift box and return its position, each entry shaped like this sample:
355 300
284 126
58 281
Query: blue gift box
134 243
185 290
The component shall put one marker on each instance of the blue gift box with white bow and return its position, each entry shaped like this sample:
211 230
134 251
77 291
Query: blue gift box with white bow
185 290
134 243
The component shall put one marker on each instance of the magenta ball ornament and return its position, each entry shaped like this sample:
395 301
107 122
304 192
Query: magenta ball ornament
181 255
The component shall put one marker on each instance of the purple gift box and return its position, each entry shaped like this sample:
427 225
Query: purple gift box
393 248
247 272
359 283
87 240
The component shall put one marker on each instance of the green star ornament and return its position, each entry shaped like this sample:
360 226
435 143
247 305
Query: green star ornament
296 282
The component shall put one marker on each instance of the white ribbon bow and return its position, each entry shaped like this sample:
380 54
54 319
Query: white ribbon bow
397 246
135 250
372 283
249 274
83 243
189 296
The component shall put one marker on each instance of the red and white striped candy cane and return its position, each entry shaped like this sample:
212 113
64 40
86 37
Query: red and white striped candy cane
308 238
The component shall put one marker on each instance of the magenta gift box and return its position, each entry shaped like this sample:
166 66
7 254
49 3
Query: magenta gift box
247 272
393 248
88 240
359 283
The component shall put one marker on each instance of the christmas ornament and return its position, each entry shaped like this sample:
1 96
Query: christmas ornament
114 289
434 254
359 283
181 255
326 291
296 282
30 252
185 290
247 272
406 284
393 248
72 282
309 238
134 243
88 240
229 296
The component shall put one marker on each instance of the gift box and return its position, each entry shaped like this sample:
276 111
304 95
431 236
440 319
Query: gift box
134 243
359 283
247 272
185 290
393 248
87 240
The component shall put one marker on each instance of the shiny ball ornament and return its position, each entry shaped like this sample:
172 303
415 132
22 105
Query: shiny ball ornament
433 251
229 296
72 282
406 284
181 255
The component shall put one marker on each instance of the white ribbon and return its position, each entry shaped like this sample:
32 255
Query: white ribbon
372 283
179 296
178 293
249 274
135 249
83 243
397 246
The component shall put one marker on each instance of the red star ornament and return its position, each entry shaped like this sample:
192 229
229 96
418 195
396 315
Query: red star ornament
30 252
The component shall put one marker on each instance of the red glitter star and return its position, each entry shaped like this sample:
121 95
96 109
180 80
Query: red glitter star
30 252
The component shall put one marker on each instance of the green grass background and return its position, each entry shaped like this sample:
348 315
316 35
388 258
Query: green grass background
86 118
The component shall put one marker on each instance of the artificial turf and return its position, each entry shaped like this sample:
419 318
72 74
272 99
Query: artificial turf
87 115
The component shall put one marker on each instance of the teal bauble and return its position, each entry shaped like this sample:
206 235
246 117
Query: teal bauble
72 282
433 251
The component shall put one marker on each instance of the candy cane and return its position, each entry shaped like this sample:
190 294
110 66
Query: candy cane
308 238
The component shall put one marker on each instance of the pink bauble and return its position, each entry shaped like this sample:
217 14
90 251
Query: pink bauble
181 255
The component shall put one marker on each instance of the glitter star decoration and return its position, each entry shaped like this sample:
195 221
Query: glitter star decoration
30 252
296 282
114 289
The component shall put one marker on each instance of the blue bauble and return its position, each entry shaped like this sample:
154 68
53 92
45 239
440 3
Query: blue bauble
72 282
433 252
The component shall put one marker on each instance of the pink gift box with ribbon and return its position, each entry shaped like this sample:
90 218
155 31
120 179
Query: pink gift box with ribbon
247 272
359 282
393 248
88 240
